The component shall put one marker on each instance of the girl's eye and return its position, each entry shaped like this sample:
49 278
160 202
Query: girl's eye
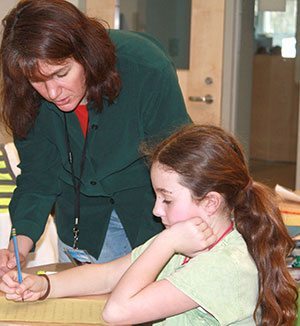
167 202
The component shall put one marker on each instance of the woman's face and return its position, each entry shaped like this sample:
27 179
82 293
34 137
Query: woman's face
64 84
174 202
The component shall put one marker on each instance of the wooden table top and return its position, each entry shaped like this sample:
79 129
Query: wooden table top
51 268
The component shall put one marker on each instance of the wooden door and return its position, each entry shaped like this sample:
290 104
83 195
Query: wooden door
206 56
204 76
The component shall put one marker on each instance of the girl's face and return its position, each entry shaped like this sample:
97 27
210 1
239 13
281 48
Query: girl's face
64 84
174 203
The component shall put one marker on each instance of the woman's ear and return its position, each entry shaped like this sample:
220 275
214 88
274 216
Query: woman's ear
212 202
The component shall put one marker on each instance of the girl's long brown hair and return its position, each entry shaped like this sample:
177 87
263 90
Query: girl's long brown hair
209 159
51 30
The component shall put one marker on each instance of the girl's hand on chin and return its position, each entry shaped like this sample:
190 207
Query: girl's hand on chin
191 236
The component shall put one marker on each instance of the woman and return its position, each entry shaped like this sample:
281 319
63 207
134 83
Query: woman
79 99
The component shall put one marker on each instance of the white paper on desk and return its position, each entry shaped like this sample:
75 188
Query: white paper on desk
287 194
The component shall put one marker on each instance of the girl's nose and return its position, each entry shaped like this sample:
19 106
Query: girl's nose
158 210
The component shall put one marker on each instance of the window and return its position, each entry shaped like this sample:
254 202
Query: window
275 30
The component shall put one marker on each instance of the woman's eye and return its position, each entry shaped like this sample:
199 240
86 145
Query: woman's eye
167 202
61 75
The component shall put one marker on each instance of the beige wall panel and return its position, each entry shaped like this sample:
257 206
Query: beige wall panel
274 119
104 9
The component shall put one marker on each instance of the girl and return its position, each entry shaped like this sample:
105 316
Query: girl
220 260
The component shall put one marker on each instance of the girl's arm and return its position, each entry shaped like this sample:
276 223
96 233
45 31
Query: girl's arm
83 280
138 297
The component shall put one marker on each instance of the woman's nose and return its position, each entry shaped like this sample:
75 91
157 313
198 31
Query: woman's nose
53 89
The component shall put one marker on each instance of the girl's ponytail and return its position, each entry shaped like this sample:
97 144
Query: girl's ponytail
258 219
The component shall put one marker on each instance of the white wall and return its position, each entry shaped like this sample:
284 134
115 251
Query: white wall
237 77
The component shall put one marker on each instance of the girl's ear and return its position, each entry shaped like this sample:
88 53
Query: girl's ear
212 202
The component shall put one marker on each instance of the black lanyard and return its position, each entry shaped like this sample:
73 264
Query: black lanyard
76 183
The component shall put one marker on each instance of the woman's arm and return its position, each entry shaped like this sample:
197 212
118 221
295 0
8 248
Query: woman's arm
138 297
83 280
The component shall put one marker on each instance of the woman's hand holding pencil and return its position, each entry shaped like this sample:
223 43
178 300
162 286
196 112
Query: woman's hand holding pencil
8 260
7 256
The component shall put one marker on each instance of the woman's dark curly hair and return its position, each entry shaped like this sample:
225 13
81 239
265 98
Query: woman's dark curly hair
52 31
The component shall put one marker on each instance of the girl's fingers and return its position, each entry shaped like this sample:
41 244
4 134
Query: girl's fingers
14 290
27 284
8 283
7 289
11 279
30 296
212 238
13 296
26 296
197 220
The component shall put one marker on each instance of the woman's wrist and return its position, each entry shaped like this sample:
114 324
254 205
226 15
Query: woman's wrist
25 244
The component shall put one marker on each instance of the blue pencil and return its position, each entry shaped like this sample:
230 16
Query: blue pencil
16 250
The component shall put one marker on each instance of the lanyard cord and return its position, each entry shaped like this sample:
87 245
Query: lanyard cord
76 184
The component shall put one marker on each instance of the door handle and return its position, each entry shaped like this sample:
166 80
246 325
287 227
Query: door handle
206 99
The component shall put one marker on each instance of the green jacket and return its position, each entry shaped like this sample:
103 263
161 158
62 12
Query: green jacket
115 176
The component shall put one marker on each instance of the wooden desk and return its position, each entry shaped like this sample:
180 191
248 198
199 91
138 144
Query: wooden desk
54 268
59 267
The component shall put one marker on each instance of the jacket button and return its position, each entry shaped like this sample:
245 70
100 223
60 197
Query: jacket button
94 127
111 200
93 183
